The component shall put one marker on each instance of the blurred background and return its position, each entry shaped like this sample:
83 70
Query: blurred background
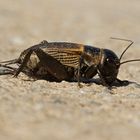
24 22
27 22
28 110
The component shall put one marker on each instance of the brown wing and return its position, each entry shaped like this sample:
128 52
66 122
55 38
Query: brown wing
67 53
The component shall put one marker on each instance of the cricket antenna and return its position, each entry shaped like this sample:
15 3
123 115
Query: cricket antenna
131 42
127 61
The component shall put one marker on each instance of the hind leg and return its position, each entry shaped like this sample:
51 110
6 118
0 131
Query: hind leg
24 63
54 67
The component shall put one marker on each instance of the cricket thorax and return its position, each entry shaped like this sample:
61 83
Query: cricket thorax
92 55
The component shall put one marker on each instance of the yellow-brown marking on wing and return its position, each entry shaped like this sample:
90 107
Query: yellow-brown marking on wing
66 55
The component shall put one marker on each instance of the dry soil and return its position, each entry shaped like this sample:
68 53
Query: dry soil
42 110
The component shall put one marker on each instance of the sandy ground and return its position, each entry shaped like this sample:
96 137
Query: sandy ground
41 110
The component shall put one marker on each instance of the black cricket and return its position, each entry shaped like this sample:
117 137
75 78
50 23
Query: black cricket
57 61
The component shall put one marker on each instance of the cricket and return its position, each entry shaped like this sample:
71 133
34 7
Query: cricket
58 61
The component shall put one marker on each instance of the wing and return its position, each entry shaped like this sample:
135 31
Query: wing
66 53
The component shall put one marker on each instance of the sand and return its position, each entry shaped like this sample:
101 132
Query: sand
42 110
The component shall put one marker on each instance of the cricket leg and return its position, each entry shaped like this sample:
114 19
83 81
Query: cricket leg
79 74
24 63
28 52
7 69
6 63
102 79
53 66
123 82
6 72
90 72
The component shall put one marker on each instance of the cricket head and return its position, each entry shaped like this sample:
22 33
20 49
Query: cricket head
110 64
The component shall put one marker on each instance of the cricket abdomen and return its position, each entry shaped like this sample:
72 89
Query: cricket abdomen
67 54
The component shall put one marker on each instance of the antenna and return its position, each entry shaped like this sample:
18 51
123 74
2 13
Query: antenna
131 42
127 61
